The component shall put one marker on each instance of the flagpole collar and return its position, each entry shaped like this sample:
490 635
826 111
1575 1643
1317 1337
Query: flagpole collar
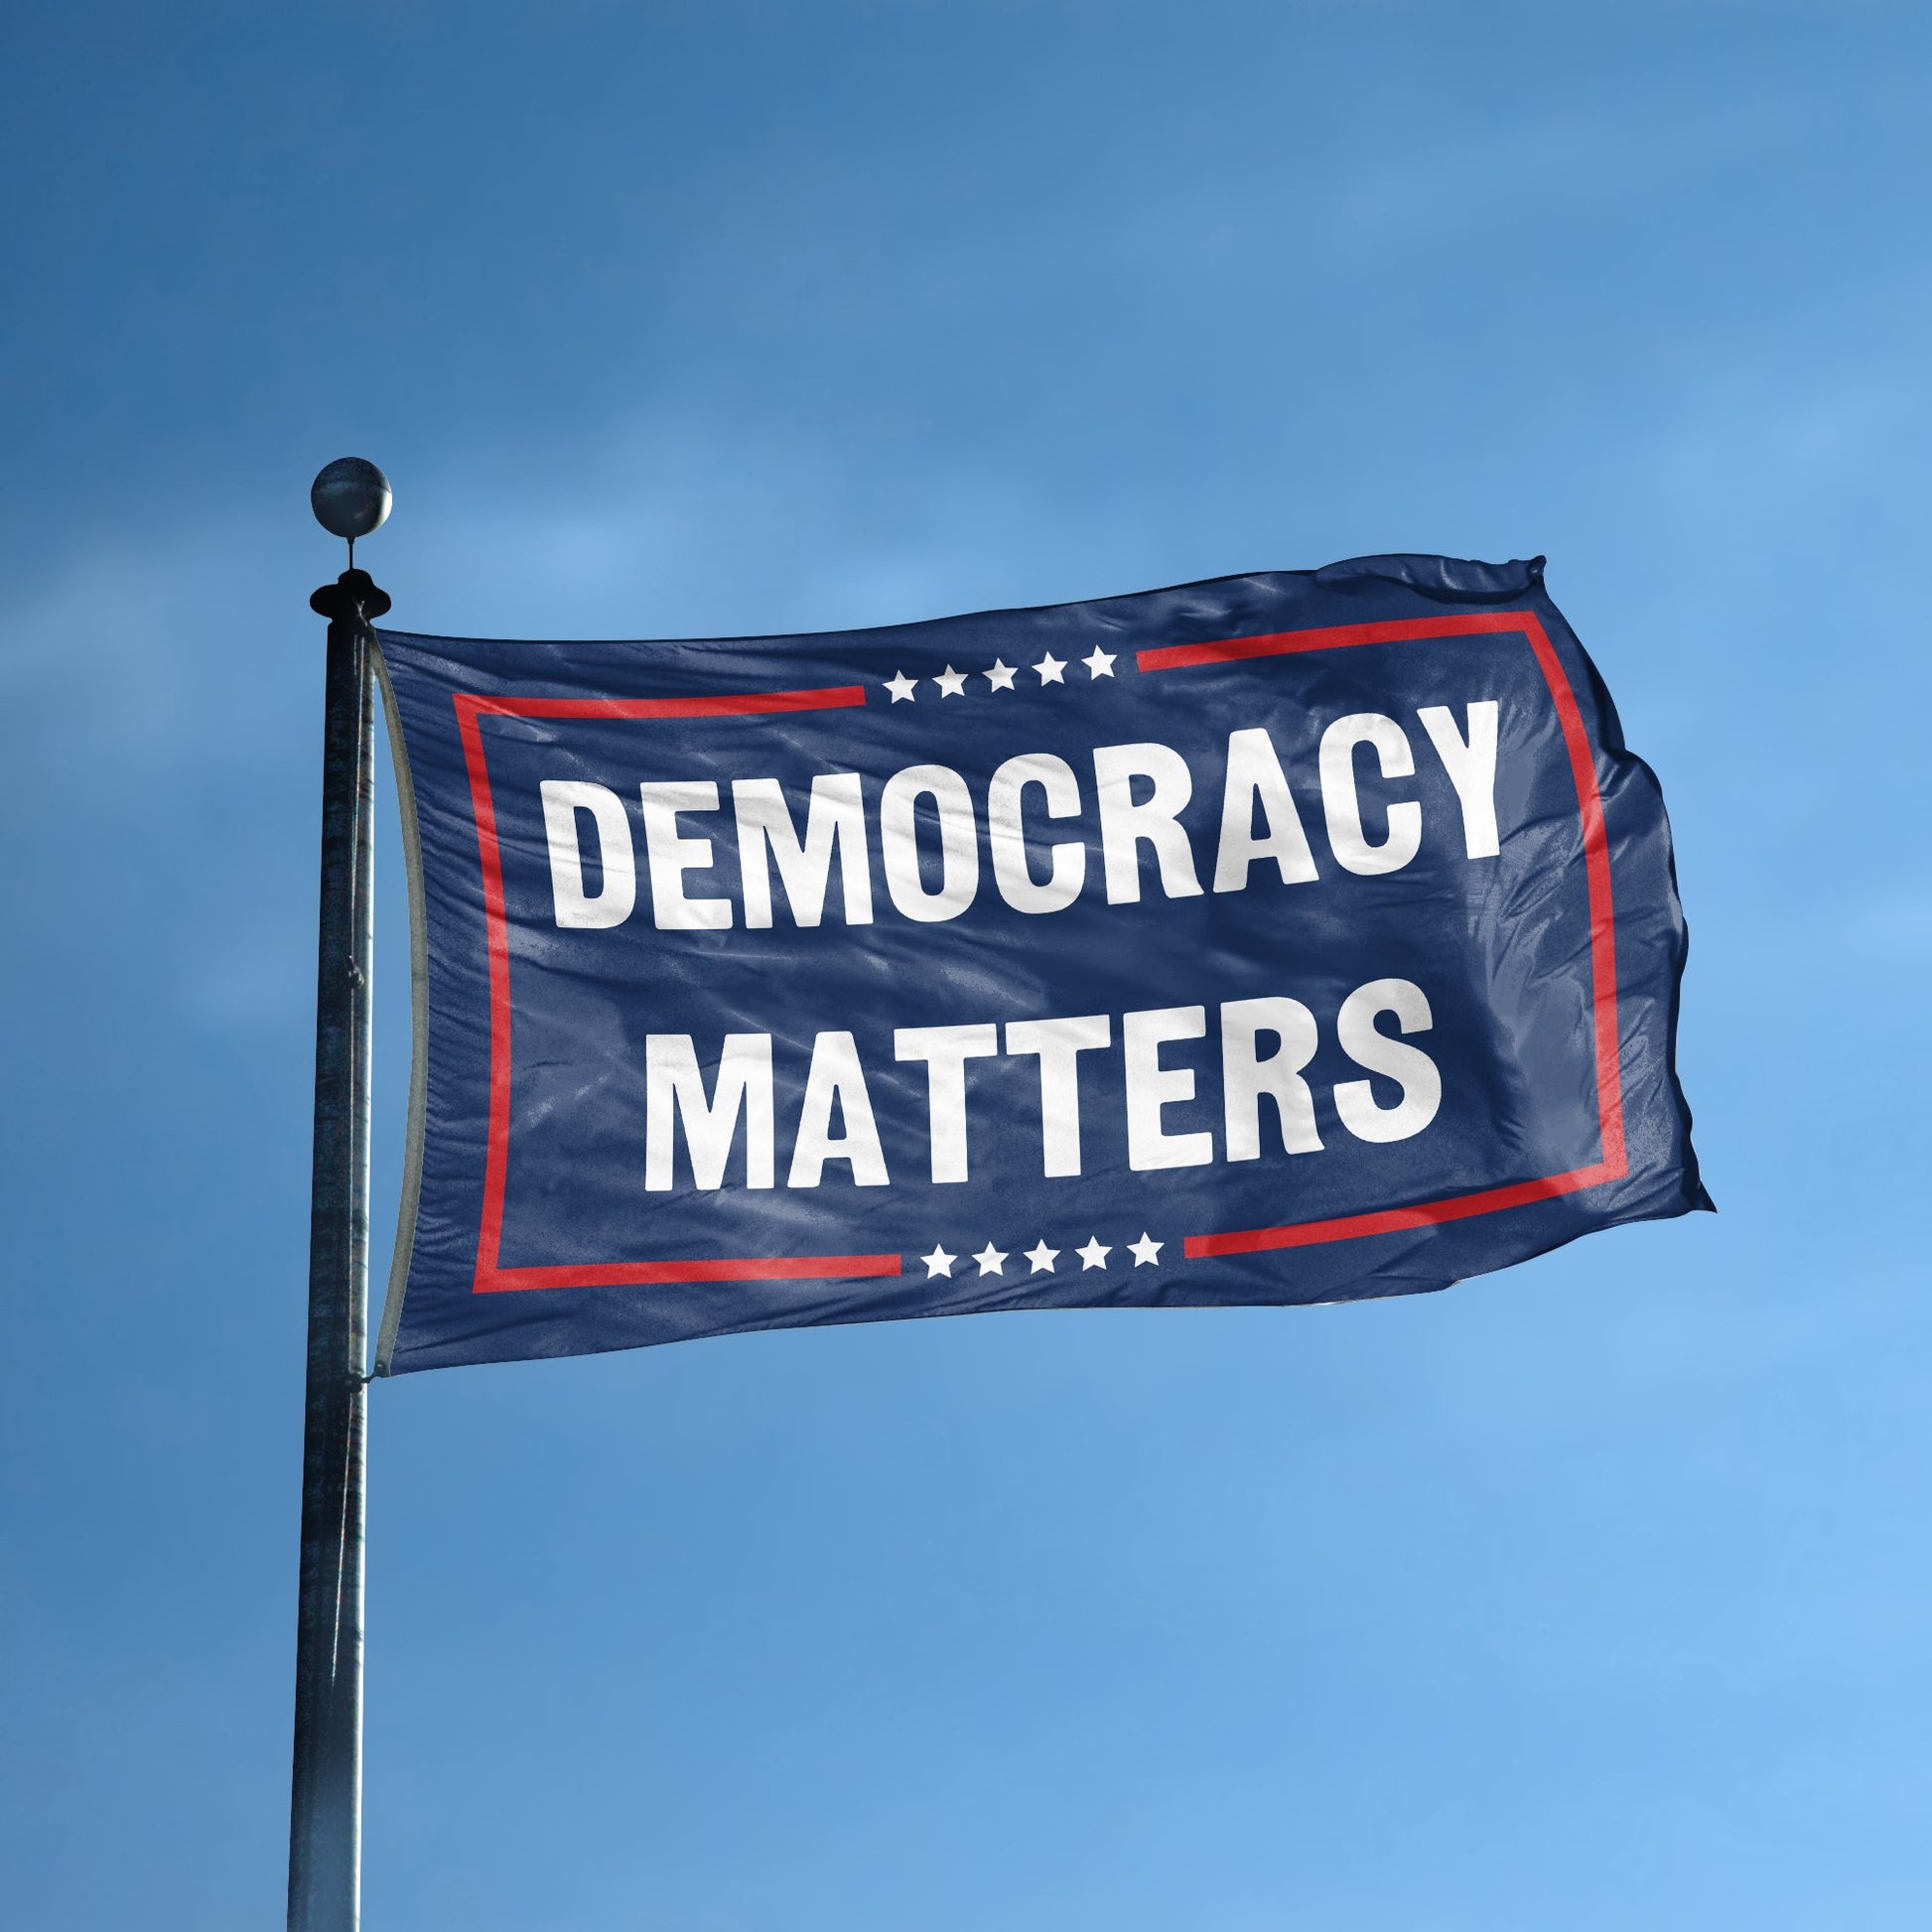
354 597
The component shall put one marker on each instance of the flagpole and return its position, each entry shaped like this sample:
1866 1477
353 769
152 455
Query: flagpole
350 499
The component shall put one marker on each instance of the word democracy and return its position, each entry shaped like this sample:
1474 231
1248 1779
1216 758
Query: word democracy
1136 797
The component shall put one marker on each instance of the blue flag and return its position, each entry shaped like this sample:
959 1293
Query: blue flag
1287 939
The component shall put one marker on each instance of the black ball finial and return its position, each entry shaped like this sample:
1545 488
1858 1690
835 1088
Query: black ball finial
350 497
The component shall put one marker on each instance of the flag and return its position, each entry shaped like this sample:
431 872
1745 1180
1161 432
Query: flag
1297 937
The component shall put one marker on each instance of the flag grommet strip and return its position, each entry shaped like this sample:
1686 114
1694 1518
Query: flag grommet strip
412 1157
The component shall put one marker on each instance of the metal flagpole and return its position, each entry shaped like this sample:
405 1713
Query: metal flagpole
350 499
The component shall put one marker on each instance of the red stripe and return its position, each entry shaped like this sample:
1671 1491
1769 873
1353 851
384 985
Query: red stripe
1603 922
638 1273
747 704
1278 643
1392 1220
495 927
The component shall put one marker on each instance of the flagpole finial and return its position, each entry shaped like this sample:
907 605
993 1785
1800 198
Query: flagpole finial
350 497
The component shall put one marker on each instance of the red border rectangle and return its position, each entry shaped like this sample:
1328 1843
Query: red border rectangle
491 1277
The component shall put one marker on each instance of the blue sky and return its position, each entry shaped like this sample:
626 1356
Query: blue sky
1594 1595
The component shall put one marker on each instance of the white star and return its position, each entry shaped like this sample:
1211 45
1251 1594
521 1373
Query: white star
1042 1258
1100 663
1049 668
951 683
1093 1255
901 687
991 1260
1001 676
938 1262
1145 1251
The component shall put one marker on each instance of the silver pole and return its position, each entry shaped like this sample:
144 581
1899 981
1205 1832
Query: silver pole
326 1810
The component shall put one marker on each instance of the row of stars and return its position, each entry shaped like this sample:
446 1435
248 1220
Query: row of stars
993 1261
999 675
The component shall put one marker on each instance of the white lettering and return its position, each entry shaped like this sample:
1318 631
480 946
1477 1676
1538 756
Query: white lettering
1007 834
766 833
898 839
674 1084
836 1075
1125 824
946 1051
670 857
563 799
1059 1045
1471 768
1255 777
1152 1087
1342 805
1409 1066
1247 1075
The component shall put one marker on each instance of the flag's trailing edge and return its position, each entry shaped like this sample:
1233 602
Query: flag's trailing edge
1288 938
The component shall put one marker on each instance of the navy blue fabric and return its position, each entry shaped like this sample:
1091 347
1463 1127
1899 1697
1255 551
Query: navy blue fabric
1499 946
